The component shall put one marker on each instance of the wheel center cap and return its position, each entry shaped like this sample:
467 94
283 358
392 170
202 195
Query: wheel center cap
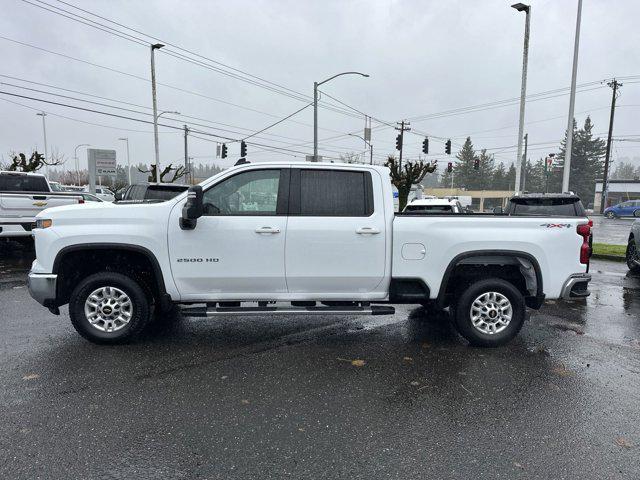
492 314
107 310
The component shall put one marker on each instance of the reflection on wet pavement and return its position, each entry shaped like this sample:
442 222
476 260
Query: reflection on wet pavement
15 258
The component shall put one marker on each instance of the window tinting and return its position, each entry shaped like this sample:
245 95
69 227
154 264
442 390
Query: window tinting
547 207
250 193
335 193
159 192
23 183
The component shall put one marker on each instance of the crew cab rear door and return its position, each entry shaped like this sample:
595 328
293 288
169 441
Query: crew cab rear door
335 245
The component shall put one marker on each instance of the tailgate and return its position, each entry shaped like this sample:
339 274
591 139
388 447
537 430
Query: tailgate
15 205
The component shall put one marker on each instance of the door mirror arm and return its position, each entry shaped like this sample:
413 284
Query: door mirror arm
192 209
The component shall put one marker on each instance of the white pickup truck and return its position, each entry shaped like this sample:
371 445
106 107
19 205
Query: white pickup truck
300 238
22 197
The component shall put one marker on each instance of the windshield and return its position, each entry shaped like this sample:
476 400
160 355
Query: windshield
545 206
155 192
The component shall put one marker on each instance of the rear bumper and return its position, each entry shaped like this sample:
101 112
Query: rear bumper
16 228
576 286
42 287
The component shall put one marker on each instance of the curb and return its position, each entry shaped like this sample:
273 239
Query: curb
613 258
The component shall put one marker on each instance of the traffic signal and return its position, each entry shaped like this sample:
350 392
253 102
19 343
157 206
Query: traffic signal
425 145
399 142
476 164
450 167
447 147
243 149
224 150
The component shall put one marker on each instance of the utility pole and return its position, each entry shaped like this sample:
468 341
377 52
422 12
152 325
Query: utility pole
614 84
404 127
155 47
524 162
572 102
44 131
186 152
523 87
126 139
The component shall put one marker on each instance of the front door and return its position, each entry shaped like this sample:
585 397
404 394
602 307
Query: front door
236 251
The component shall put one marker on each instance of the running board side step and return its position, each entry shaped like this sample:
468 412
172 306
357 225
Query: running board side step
216 311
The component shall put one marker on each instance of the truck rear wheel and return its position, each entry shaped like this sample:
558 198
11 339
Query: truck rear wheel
489 313
109 308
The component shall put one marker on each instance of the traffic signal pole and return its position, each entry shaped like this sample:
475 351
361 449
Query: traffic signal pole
404 127
614 84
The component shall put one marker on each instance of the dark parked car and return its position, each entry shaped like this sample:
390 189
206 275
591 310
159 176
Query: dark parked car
633 248
545 204
149 192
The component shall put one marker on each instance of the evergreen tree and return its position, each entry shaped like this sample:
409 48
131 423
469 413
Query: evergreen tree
464 175
587 154
499 178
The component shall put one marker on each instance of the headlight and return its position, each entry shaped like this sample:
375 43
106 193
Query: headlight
43 223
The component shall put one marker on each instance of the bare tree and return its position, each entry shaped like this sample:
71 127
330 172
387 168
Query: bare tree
410 173
20 162
350 157
178 172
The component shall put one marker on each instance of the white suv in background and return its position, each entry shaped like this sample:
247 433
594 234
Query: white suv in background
434 206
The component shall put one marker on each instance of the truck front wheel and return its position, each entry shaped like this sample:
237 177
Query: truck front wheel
489 313
109 308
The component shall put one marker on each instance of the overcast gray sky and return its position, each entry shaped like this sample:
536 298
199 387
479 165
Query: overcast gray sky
423 57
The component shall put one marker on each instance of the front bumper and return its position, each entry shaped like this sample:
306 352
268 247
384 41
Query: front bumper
42 287
576 287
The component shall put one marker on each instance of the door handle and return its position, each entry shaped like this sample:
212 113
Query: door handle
367 231
267 230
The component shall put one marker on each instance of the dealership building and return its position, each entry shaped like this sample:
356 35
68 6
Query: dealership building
619 191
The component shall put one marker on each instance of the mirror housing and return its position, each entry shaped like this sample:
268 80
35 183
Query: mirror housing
118 196
193 208
498 210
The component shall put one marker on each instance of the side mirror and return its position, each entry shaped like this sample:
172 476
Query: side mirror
498 210
118 196
193 209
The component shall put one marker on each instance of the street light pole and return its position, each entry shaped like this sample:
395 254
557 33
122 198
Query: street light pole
155 47
75 155
126 139
315 108
44 132
370 147
521 7
572 101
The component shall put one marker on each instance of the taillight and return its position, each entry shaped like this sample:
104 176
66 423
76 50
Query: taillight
81 200
584 231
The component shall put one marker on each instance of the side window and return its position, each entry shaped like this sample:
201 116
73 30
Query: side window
335 193
249 193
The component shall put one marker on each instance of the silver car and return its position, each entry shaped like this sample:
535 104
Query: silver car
633 248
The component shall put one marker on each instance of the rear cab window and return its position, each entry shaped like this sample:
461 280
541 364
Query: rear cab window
429 208
23 183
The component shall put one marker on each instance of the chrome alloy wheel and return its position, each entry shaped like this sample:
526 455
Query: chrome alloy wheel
108 309
491 313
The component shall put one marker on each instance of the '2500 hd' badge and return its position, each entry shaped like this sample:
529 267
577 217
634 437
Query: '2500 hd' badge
556 225
197 260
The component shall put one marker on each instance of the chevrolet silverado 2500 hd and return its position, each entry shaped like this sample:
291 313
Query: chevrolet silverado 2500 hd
321 237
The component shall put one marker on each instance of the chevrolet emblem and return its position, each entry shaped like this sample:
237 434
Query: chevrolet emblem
39 204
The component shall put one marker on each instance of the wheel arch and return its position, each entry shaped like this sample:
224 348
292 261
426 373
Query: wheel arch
494 257
158 283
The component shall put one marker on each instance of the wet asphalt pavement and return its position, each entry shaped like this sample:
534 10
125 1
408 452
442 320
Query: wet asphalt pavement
614 231
332 397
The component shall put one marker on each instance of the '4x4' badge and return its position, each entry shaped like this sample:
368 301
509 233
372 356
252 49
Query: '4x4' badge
556 225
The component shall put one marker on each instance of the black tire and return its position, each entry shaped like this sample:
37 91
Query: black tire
610 215
461 314
632 254
636 213
140 308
